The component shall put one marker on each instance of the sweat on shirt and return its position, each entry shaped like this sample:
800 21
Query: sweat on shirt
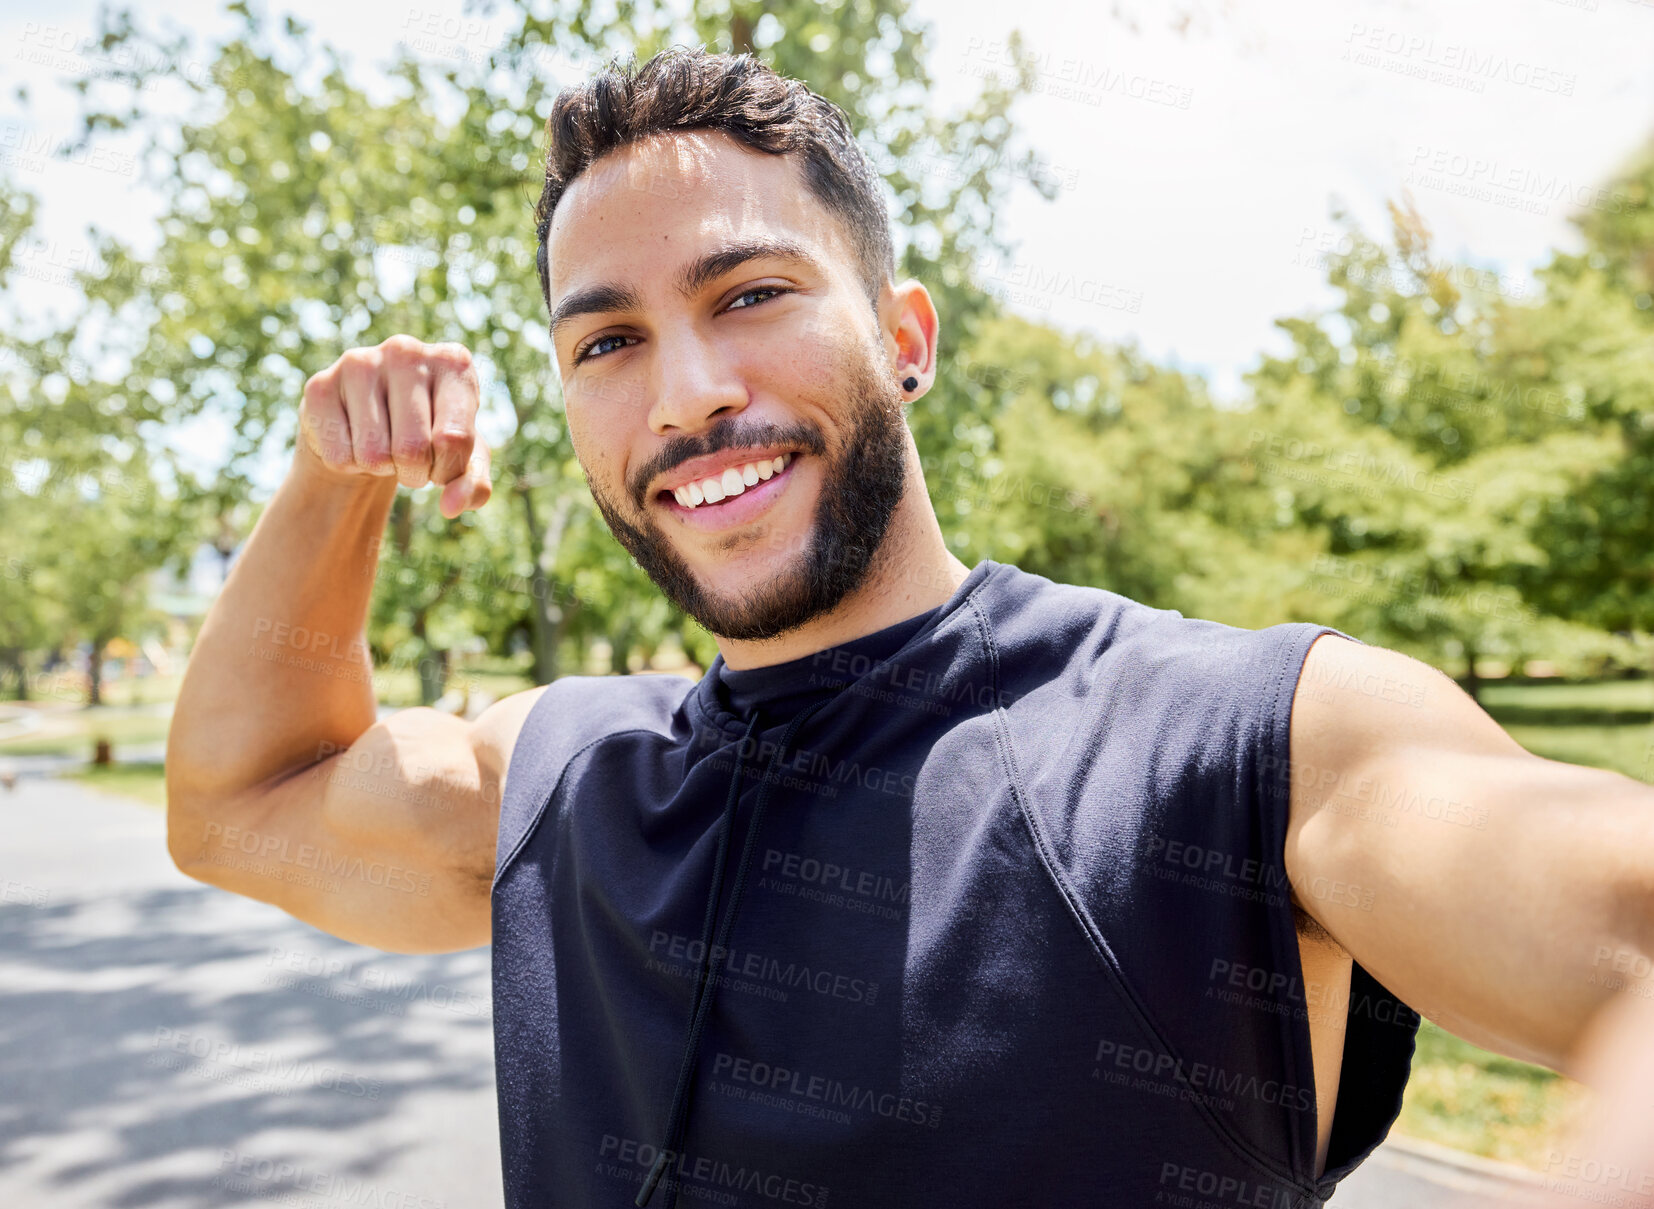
985 909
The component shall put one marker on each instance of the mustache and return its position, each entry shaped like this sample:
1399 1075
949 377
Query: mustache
726 434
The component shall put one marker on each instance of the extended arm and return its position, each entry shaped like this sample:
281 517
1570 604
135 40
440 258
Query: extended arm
1505 896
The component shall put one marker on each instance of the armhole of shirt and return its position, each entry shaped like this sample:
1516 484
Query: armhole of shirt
1379 1029
569 717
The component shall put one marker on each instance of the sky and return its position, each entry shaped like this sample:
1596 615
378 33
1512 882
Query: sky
1198 168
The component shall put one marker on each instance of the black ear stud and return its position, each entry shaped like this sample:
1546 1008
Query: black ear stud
910 384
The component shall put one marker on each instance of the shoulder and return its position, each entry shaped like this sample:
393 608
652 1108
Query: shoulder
1024 609
559 718
1356 704
1101 641
539 733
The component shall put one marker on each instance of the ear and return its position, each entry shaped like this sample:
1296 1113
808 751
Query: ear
908 318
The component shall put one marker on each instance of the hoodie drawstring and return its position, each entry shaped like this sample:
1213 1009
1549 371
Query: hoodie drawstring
677 1120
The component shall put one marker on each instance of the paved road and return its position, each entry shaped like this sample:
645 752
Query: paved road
1404 1174
163 1044
166 1044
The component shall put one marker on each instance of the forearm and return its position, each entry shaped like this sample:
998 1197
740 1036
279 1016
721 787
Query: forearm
280 666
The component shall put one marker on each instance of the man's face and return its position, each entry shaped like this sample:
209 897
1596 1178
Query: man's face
726 387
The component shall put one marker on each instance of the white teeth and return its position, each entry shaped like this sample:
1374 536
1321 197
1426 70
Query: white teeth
733 481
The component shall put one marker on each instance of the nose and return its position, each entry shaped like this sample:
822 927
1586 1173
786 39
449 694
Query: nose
695 386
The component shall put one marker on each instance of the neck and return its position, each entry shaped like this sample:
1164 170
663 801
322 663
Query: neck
912 572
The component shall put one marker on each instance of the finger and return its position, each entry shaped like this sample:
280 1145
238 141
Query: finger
323 426
453 415
363 389
472 489
408 392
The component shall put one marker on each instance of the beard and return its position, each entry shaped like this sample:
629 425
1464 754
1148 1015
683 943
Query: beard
861 485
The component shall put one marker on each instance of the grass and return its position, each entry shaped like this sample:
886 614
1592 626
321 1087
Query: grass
1607 724
73 731
145 783
1622 748
1475 1101
399 686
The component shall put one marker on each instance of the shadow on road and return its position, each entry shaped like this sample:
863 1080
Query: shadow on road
174 1045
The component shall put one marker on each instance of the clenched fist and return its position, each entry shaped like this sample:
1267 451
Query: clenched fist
405 408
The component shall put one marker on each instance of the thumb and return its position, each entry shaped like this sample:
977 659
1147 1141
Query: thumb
471 489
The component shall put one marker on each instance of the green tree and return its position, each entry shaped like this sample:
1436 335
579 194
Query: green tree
1591 340
288 265
84 519
1407 429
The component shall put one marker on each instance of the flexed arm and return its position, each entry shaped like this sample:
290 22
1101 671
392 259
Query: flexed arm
280 783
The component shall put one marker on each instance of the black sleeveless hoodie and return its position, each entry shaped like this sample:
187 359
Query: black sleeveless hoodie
988 909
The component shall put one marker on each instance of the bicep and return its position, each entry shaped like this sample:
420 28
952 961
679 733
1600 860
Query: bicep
389 842
1476 881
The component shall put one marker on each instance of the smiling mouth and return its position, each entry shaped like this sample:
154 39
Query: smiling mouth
732 482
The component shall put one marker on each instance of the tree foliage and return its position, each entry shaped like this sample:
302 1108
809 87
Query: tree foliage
1442 460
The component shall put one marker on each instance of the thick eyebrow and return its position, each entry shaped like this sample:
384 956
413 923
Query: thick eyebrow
593 300
599 299
714 265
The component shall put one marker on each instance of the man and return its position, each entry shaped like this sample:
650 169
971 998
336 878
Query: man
943 885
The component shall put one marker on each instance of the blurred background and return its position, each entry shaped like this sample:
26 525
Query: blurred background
1337 312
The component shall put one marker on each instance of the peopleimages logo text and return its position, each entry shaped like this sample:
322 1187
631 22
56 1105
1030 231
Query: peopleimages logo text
711 1175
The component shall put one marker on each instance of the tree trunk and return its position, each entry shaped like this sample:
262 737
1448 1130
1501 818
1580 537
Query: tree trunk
545 612
1472 682
95 696
433 675
740 34
14 660
620 647
433 664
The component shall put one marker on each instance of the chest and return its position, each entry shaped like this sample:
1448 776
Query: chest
905 985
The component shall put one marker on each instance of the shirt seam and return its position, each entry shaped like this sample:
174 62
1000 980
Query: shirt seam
540 810
1094 937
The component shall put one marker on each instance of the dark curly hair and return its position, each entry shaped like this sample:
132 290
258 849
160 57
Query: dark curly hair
686 89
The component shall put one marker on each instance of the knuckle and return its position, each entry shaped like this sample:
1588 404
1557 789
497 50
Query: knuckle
357 374
451 440
357 359
455 356
403 346
413 449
